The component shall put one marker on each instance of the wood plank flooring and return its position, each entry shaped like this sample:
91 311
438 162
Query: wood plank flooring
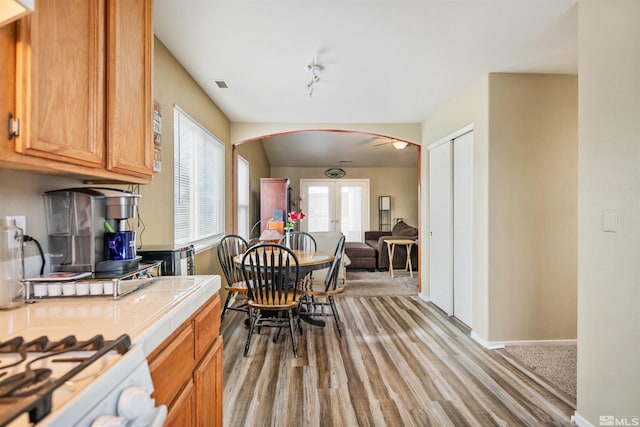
400 362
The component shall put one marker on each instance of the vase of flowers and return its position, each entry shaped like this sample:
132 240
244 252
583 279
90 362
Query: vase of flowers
292 219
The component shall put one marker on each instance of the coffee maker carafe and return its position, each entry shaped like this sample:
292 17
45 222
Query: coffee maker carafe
76 223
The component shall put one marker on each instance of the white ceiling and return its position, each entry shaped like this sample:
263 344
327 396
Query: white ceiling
384 61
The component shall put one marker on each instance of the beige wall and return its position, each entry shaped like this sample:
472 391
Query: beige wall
471 106
254 153
174 86
21 194
525 198
608 273
533 128
399 183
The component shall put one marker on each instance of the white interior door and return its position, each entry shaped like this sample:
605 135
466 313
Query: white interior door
441 227
336 206
463 227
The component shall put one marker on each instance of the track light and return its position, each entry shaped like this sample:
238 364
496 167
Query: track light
314 69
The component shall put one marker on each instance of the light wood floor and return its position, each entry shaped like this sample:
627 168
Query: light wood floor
399 363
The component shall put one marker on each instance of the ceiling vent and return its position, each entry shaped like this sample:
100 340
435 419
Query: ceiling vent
221 84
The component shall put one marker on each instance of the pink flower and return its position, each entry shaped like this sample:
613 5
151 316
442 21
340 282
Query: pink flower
293 217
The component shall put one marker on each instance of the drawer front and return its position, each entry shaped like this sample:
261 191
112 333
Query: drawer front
207 325
173 367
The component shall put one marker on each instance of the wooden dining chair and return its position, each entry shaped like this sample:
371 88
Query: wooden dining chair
229 247
319 294
303 241
271 272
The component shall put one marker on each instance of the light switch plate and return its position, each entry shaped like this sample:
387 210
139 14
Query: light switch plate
610 220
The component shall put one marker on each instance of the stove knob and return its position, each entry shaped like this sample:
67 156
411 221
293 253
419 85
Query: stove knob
135 402
109 421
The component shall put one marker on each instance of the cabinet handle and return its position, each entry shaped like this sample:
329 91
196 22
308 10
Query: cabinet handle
13 126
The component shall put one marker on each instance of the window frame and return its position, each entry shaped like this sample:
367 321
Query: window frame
199 186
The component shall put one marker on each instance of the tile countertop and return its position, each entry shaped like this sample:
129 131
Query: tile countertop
149 315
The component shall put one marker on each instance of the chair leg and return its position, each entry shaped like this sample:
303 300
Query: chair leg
226 304
254 318
277 335
293 335
336 316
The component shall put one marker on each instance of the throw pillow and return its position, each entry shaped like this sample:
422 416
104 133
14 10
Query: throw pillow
401 229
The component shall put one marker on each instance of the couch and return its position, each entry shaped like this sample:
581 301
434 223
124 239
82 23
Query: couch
361 256
376 239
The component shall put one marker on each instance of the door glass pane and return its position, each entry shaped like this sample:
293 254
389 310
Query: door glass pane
351 213
318 208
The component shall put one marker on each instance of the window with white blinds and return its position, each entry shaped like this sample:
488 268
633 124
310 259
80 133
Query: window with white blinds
199 198
242 192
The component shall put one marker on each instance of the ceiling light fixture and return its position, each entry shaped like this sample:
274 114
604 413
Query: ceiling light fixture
314 69
399 145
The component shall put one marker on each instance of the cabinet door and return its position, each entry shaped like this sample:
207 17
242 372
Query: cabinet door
209 385
60 78
7 82
129 96
182 412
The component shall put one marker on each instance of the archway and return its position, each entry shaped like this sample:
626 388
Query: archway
408 135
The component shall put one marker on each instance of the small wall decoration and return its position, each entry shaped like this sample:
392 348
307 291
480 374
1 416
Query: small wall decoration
157 137
335 173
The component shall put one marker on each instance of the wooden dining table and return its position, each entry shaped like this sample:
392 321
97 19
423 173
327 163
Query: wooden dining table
308 261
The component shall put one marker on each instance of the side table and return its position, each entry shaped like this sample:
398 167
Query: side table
391 246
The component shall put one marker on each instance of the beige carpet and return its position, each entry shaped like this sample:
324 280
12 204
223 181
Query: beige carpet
555 363
362 283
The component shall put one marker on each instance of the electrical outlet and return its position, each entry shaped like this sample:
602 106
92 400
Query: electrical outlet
21 222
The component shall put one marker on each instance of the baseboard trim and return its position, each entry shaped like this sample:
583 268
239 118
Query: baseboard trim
494 345
580 421
541 342
424 298
486 344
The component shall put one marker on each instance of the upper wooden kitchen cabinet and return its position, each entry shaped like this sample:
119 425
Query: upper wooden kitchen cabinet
129 96
83 88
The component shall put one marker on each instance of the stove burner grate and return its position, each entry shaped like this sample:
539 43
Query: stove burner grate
30 391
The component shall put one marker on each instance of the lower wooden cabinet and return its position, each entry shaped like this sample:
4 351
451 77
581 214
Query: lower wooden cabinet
183 411
209 385
187 370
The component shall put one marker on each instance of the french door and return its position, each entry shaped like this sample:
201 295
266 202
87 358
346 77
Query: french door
331 205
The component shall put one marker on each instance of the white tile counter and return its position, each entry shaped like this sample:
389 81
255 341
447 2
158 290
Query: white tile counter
148 315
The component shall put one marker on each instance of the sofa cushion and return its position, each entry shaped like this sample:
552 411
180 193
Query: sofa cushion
402 229
360 255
